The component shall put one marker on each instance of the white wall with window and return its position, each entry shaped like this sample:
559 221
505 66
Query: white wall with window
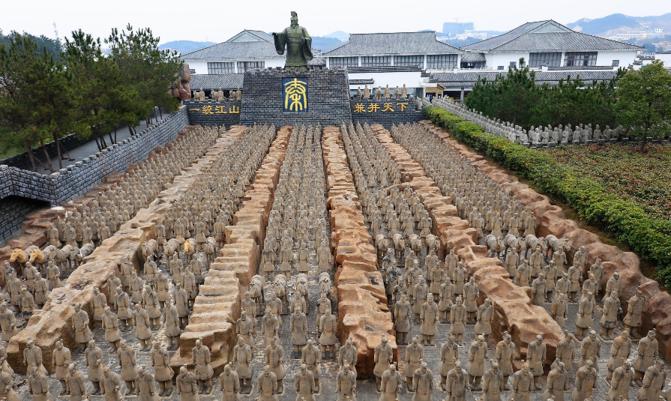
375 61
338 62
615 59
220 67
580 59
442 61
409 61
545 59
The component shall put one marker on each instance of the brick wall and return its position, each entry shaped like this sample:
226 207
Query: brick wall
210 112
386 112
327 92
77 179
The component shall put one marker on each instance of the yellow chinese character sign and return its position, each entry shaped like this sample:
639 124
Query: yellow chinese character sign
295 94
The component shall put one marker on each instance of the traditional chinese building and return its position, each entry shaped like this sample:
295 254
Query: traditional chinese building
548 44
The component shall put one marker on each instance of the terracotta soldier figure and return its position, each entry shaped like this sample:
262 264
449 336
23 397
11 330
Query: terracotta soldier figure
585 382
128 365
160 361
348 353
305 384
346 383
609 317
536 352
483 323
476 361
390 384
634 317
382 357
242 361
201 359
61 360
653 382
492 383
146 387
267 385
274 357
230 384
619 351
93 357
414 355
620 382
522 384
456 384
429 320
299 331
556 383
457 320
32 357
172 325
422 383
402 319
449 355
506 350
187 385
38 385
311 356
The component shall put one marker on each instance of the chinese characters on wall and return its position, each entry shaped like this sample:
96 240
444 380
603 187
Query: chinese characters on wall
210 109
386 107
295 94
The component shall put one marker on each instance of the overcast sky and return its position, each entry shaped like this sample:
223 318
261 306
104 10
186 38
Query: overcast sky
218 20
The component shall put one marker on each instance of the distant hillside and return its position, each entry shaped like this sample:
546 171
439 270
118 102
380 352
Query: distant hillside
52 46
185 46
325 43
615 24
340 35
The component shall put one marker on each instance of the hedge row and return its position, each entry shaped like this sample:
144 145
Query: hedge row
625 220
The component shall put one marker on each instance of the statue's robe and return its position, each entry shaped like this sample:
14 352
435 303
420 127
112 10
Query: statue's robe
298 44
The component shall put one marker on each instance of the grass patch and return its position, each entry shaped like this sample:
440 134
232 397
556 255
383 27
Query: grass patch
621 217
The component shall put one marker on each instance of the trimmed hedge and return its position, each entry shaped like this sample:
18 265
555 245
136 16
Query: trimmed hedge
628 222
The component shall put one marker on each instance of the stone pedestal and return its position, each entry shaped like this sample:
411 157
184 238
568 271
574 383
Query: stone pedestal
264 101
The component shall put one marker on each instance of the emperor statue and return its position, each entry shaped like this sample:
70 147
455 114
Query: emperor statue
298 44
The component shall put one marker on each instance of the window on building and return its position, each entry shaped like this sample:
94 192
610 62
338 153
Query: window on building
409 61
500 68
616 63
537 60
343 62
244 66
375 61
512 64
580 59
220 68
441 62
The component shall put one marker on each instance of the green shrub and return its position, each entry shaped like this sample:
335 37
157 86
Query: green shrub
625 220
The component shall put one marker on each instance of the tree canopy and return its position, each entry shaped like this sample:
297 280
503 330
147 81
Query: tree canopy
49 90
516 98
643 102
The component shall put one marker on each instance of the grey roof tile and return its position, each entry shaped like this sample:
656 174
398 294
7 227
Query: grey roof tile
365 44
469 78
547 36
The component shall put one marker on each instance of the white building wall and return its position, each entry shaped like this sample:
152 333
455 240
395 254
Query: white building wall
605 58
199 66
665 58
411 79
494 60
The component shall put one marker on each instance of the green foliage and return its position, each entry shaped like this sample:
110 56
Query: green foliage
644 101
48 91
516 98
35 94
52 46
625 220
644 178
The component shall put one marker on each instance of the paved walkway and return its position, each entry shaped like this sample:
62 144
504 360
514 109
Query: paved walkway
85 150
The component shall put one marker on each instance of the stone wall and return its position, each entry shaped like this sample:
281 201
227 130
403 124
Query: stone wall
13 212
212 112
386 112
72 181
327 98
